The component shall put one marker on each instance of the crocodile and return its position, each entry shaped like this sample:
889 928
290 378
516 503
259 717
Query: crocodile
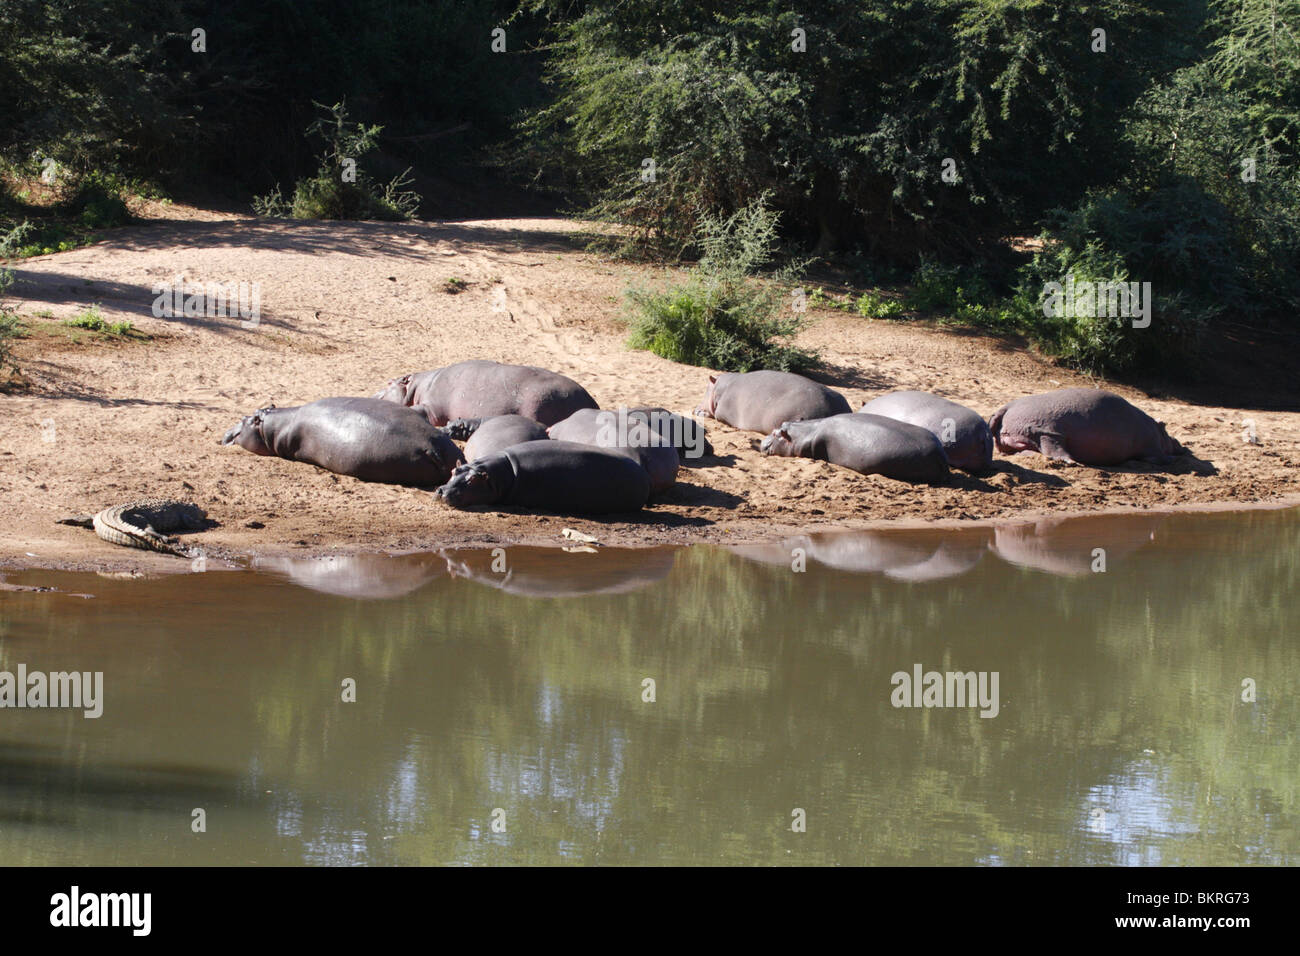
145 524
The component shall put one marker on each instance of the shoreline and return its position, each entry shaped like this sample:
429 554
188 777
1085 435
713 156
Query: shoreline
135 563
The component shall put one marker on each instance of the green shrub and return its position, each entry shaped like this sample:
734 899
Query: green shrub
724 318
878 307
93 321
938 286
10 325
97 201
326 195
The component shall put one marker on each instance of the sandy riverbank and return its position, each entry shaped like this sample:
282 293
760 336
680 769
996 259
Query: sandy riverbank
345 306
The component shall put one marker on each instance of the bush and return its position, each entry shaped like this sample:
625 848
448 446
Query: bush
878 307
327 195
97 201
724 318
10 326
92 320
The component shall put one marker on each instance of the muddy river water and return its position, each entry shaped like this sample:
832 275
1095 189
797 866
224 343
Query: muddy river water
1100 690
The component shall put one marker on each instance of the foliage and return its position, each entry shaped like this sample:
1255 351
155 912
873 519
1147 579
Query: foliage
848 136
10 326
92 320
723 317
341 189
878 307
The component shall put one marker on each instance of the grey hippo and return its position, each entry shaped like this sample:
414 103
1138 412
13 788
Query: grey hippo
553 476
869 444
481 389
683 433
965 436
624 434
362 437
1088 426
762 401
487 436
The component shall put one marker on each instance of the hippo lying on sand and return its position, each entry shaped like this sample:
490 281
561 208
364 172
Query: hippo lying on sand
624 434
762 401
481 389
487 436
966 438
553 476
1088 426
870 444
361 437
685 434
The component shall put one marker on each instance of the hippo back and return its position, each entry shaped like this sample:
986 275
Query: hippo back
761 401
966 438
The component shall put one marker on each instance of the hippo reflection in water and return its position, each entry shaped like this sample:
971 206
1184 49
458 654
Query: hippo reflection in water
552 572
903 556
364 576
1067 546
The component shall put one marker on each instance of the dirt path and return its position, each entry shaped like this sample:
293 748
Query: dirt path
346 306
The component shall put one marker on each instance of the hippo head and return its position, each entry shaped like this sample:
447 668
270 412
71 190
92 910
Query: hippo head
778 443
248 433
470 484
395 391
710 403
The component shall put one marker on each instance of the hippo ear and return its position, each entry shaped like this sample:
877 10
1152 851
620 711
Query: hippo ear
713 379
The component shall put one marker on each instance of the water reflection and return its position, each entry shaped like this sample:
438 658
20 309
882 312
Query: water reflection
551 572
1075 546
492 727
1061 546
363 576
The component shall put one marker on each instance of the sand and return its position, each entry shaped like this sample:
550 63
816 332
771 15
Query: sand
346 306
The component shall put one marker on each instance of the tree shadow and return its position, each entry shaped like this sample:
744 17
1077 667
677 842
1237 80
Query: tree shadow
360 239
845 376
58 288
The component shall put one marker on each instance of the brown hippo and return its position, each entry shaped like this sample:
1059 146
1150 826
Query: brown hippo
762 401
487 436
361 437
1087 426
620 432
481 389
551 475
869 444
966 438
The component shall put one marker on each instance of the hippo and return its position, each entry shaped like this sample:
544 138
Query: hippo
481 389
685 434
762 401
965 436
552 475
1086 426
487 436
869 444
362 437
619 432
